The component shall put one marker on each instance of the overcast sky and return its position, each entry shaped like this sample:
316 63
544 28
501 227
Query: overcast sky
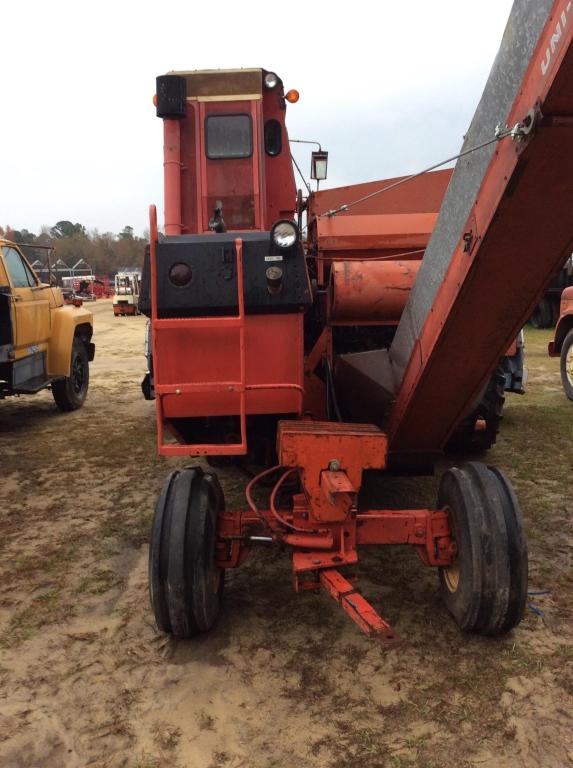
387 87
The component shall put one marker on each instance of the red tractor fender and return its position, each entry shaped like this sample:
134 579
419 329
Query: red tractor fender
564 324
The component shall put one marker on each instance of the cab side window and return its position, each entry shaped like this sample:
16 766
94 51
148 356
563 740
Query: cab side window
273 138
19 272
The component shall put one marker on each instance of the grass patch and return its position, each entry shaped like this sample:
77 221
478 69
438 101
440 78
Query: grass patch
364 746
47 608
147 761
98 581
47 561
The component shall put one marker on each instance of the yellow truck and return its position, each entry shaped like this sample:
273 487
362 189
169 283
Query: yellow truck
43 341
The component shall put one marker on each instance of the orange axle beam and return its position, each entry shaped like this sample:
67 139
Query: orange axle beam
322 547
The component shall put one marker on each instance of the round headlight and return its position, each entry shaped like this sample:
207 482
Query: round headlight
271 80
284 234
180 274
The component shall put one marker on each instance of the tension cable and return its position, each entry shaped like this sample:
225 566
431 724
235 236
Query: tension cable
518 131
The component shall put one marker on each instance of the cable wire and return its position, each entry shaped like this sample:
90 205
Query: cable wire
500 133
274 509
391 257
249 497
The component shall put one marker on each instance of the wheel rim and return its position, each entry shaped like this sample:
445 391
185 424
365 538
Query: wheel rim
452 576
451 573
78 376
213 573
569 365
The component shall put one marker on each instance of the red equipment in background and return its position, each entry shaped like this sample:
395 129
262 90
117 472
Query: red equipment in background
102 287
90 287
297 356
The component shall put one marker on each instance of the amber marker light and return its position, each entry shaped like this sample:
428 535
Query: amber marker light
292 96
154 99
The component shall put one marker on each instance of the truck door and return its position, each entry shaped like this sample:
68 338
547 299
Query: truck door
30 305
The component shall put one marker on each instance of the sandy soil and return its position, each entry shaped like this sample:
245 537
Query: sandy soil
283 680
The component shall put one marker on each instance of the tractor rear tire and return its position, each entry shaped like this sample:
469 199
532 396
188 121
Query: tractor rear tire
567 364
485 588
542 315
185 584
466 440
70 393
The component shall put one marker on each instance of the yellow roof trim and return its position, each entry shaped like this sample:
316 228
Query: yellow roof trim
230 97
213 71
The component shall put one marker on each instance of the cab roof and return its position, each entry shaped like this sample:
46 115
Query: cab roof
217 83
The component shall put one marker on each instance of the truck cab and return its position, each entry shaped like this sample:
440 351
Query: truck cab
43 342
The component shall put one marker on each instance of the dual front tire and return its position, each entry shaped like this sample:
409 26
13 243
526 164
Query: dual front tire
185 583
485 589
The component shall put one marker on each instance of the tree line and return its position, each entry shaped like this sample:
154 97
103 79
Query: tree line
104 252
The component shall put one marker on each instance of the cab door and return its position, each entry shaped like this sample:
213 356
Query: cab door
230 163
30 305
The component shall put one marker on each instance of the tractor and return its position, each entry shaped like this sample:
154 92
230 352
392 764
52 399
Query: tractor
351 330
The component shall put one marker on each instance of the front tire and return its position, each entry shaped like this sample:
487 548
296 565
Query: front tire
70 393
567 365
485 588
185 584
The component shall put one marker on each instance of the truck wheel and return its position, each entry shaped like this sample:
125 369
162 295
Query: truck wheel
185 584
485 588
567 364
71 392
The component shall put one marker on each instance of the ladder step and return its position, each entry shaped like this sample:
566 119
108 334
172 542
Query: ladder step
192 323
196 449
197 387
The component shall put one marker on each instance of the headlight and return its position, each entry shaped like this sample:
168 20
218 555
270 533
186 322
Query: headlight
271 80
284 234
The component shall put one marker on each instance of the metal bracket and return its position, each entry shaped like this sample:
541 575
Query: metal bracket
359 609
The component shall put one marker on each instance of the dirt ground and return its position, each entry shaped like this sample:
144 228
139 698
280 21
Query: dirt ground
283 680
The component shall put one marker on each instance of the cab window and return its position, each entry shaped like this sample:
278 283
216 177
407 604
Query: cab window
21 276
273 138
228 136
